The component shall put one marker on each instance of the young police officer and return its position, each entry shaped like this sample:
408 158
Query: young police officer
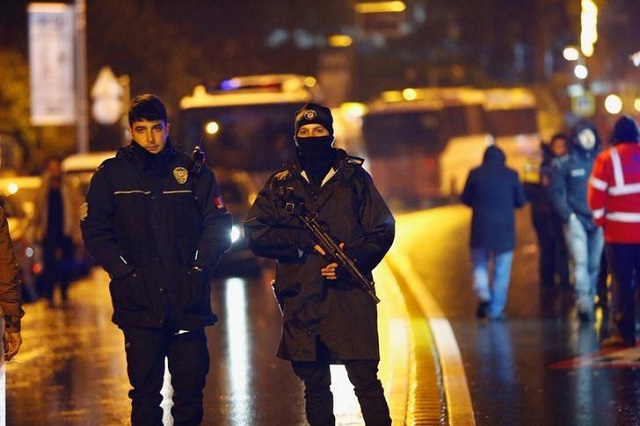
326 318
156 226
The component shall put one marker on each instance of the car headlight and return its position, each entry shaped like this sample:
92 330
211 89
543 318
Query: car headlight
236 233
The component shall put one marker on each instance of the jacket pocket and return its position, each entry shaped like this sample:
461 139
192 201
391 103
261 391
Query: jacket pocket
130 293
192 290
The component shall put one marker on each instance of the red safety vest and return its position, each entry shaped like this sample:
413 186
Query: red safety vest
614 193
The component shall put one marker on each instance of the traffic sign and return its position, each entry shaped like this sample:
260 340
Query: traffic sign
107 93
583 105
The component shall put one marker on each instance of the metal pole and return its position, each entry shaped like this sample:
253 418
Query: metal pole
82 123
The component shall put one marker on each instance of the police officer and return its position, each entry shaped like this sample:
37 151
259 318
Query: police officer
326 318
156 227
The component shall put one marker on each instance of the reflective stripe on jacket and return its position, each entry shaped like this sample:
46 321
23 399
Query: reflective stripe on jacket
614 193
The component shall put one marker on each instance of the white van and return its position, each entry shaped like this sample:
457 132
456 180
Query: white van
80 167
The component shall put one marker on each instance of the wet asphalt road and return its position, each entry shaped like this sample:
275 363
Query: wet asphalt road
538 367
72 370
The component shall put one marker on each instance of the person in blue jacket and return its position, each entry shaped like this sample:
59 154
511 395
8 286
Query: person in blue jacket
493 191
568 192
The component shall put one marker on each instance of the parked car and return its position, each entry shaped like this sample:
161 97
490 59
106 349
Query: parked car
238 194
17 197
80 167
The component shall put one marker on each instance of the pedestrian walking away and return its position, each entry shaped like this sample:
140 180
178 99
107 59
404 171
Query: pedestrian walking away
614 197
155 220
327 318
568 191
493 191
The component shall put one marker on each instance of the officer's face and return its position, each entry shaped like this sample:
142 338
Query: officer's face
587 139
312 131
151 135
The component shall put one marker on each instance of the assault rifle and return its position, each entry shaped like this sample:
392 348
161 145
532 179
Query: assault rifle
333 253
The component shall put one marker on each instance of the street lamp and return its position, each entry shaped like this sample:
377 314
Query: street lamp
571 53
589 27
581 71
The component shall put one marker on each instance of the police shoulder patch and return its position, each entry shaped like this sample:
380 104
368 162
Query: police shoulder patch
217 201
181 175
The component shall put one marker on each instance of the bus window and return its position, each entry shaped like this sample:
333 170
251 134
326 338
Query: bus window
395 133
508 122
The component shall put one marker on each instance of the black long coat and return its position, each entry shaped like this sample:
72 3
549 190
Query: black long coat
342 316
493 191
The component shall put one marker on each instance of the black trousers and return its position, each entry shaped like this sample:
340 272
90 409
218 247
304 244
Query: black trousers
363 374
624 261
188 359
554 258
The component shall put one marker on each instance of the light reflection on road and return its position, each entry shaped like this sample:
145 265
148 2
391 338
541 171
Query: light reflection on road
72 368
238 354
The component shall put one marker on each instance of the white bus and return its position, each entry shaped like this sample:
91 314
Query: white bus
421 143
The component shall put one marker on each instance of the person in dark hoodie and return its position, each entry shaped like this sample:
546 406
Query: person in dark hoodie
155 221
493 191
327 319
568 192
614 198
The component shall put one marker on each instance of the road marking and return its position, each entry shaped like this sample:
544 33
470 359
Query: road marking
456 388
604 358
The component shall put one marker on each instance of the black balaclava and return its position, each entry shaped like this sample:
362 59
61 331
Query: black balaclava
316 154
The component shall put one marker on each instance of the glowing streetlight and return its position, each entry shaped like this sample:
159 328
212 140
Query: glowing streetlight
340 40
581 71
571 53
613 104
589 24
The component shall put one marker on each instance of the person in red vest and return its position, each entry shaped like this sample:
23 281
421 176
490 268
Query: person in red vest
614 198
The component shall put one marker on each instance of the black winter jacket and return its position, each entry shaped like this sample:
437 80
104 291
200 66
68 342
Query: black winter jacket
148 222
493 191
342 316
569 180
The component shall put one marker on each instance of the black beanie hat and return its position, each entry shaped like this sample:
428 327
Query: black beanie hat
314 114
626 130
